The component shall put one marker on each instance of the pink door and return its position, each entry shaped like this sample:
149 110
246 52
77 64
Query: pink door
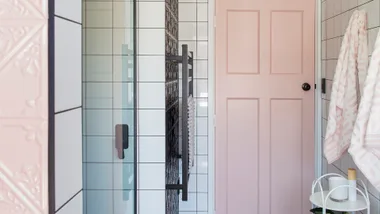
265 119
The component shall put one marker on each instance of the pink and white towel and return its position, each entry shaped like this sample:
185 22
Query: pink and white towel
365 142
191 128
345 95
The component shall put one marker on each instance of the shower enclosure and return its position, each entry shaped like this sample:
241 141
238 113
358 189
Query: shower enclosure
109 143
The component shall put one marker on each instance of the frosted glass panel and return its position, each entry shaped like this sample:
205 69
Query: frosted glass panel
108 87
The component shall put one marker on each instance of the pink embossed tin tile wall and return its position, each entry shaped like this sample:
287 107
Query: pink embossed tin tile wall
23 106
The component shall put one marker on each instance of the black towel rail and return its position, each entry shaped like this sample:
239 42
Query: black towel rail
186 59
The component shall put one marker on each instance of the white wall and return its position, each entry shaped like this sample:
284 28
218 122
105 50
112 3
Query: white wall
68 106
335 17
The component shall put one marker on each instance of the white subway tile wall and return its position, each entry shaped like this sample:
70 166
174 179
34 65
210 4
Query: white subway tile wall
193 30
335 17
151 106
68 171
68 64
68 106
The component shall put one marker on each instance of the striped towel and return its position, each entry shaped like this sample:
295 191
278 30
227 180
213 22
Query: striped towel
365 142
345 96
191 127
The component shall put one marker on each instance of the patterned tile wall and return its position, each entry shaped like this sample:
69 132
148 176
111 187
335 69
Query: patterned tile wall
23 107
335 17
172 103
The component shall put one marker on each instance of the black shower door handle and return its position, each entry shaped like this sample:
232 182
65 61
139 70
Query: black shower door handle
121 139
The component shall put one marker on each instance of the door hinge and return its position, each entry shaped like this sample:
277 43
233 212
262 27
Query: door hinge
214 120
214 21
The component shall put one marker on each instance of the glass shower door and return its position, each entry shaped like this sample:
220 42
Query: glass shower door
109 107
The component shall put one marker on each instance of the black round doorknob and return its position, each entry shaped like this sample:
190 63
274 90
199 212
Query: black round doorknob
306 86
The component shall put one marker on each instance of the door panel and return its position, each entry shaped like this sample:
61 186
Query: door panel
286 42
247 61
242 116
265 121
286 155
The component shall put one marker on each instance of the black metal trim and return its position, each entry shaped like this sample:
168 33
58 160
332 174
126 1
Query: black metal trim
135 103
177 59
51 107
174 186
323 86
185 130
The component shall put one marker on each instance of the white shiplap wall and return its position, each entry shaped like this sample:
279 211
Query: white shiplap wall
335 17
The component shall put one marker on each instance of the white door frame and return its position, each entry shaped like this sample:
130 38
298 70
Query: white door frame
211 99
